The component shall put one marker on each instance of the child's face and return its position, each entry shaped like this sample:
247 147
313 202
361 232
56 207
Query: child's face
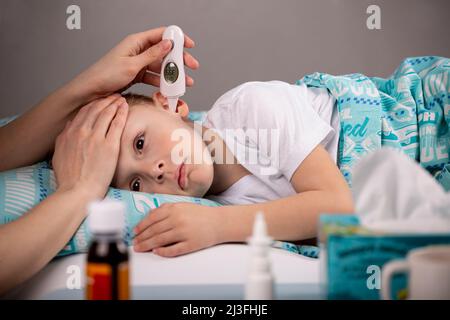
145 161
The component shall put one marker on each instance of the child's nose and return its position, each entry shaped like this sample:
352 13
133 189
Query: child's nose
158 171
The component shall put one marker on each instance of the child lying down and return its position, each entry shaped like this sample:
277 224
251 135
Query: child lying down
263 146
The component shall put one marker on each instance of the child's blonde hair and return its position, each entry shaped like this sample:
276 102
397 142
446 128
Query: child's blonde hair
135 98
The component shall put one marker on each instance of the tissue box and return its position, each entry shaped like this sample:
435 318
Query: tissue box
352 257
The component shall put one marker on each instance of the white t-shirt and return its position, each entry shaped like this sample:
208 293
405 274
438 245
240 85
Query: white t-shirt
280 124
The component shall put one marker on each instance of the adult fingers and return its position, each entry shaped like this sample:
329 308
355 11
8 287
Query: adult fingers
117 125
87 114
97 108
188 42
148 38
189 81
154 54
106 116
151 79
81 115
190 61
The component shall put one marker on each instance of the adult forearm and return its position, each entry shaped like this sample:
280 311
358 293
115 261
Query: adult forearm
29 243
29 138
291 218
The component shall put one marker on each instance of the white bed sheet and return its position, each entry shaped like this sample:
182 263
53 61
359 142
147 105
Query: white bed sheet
225 264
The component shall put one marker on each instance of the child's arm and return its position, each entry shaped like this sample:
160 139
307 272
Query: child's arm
178 228
321 189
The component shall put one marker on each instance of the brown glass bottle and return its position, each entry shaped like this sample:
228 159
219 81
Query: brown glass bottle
107 269
107 266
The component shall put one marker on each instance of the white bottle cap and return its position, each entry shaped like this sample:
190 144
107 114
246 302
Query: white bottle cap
106 216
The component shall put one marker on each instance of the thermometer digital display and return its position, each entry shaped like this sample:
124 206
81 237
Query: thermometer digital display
171 72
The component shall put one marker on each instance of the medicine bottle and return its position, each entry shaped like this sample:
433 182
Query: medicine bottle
107 269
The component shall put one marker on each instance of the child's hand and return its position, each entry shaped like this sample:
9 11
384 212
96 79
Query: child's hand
177 228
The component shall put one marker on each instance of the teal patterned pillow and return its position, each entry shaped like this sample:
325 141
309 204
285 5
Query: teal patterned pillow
21 189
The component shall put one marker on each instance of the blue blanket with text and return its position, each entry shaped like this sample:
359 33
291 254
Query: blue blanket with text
409 111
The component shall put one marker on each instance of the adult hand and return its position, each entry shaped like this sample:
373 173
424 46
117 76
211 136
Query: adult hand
87 150
136 59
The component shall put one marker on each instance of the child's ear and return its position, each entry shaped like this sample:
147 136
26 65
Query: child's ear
159 99
182 108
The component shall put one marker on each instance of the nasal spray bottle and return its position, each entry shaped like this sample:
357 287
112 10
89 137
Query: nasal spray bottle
259 285
173 80
107 261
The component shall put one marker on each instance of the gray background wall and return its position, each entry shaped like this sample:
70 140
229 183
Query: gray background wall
237 40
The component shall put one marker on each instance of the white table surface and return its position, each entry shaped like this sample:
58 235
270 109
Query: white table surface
221 267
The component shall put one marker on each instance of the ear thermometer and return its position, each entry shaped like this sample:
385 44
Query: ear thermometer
173 81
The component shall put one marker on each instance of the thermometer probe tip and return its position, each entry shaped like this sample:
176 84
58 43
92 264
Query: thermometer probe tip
173 104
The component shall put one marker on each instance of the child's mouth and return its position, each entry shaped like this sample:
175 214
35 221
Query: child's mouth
181 176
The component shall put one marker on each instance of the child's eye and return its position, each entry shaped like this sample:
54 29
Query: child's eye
139 144
135 185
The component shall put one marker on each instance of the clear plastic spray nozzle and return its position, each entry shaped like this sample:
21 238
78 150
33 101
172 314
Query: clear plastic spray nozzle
260 227
260 235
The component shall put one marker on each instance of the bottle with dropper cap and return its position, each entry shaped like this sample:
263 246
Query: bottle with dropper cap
259 285
107 261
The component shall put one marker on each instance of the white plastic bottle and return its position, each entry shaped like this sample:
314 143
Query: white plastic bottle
260 280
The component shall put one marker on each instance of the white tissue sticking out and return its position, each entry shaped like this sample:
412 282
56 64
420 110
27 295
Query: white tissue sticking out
393 193
172 104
